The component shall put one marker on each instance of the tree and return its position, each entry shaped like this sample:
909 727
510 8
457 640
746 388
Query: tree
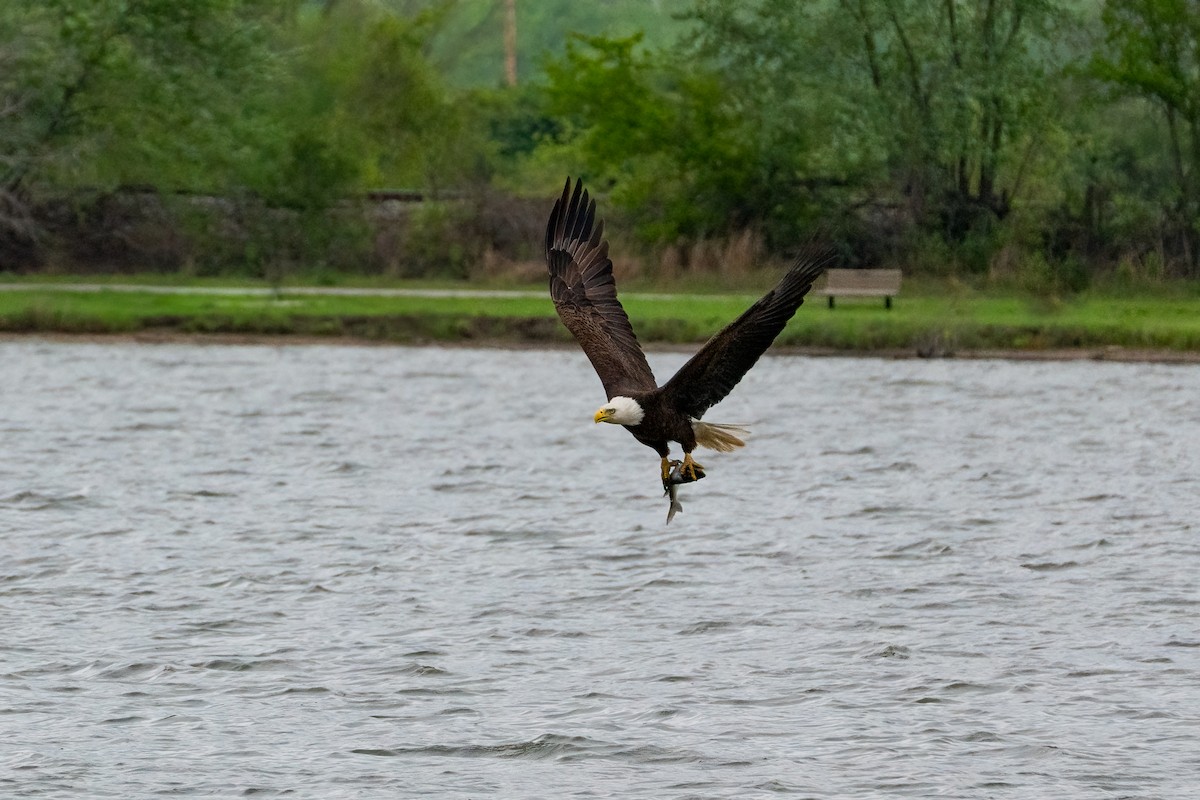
692 150
363 82
951 94
1155 54
100 93
126 80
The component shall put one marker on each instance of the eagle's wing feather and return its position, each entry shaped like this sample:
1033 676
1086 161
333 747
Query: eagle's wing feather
585 294
713 372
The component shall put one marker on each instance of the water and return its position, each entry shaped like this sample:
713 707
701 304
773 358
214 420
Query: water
341 572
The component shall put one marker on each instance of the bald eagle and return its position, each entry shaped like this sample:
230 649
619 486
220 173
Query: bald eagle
585 296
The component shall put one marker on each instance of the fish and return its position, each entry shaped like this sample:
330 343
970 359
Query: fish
671 486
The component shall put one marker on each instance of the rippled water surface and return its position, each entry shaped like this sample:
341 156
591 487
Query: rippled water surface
341 572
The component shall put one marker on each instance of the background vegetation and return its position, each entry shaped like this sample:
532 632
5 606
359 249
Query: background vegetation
1052 144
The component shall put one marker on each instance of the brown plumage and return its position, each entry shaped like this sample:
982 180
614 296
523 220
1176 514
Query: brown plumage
585 296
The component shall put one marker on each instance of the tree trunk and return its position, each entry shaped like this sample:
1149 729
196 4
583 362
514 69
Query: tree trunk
510 42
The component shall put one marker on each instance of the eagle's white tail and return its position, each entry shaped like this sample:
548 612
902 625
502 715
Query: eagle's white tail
717 436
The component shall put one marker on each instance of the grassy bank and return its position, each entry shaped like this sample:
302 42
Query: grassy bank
932 319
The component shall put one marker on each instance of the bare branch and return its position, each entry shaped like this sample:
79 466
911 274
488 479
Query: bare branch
16 218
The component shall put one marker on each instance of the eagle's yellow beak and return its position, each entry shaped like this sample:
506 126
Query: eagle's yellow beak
602 415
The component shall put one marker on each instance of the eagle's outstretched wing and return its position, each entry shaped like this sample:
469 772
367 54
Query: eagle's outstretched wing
585 294
713 372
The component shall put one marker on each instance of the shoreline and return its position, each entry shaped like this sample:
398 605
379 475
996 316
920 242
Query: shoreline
1012 326
1113 353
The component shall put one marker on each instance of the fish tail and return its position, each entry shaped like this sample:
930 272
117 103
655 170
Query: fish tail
721 437
676 507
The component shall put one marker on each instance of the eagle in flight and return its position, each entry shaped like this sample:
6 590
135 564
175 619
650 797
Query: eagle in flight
585 296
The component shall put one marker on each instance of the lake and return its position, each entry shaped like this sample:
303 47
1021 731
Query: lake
360 572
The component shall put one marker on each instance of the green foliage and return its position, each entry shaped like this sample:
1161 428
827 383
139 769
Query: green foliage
1154 53
684 148
433 246
864 118
315 173
517 120
118 91
270 95
362 106
935 101
467 43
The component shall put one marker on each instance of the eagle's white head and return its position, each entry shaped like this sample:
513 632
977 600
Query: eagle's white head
620 411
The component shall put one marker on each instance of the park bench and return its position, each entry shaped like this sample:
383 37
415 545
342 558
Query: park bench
883 283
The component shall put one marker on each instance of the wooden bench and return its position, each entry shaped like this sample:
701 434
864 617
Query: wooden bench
883 283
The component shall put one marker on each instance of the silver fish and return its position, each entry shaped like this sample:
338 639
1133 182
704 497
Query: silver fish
672 483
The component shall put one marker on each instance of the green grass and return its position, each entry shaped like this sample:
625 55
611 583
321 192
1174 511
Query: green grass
933 318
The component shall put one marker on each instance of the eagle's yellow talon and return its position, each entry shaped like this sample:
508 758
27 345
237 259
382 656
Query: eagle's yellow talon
689 466
666 470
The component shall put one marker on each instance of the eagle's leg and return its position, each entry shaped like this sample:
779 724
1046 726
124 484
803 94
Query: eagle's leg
666 469
689 467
